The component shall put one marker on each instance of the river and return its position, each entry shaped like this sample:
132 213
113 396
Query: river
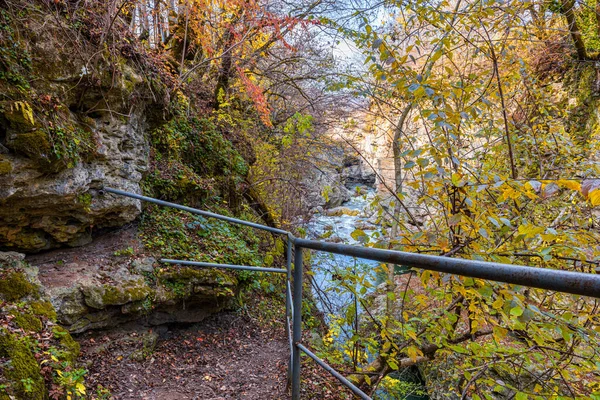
336 277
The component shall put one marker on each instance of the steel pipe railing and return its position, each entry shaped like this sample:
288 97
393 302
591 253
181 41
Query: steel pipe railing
196 211
225 266
542 278
297 321
333 372
562 281
288 301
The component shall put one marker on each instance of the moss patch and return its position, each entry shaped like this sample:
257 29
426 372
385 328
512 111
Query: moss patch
15 286
183 282
5 167
33 144
70 348
23 370
28 322
109 295
44 309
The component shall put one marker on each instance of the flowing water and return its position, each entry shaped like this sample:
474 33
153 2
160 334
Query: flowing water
328 269
336 277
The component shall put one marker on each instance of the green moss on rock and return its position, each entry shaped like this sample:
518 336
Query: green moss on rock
23 371
28 322
69 346
196 276
5 167
44 309
33 144
183 282
15 286
108 295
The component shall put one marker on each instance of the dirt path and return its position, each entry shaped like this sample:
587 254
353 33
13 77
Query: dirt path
225 357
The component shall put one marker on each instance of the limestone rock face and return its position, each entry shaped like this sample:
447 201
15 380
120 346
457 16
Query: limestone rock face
80 125
324 186
41 210
84 297
93 288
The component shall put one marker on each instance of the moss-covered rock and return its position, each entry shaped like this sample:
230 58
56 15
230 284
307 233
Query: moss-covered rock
100 297
5 167
185 282
44 309
23 370
15 286
28 322
33 144
70 348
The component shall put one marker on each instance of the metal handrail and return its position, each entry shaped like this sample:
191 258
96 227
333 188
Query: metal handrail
542 278
333 372
225 266
196 211
562 281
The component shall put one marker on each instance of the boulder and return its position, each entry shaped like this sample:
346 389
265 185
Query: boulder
94 287
357 172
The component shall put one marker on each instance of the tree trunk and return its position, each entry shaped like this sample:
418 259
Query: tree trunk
397 149
254 200
598 18
568 10
224 70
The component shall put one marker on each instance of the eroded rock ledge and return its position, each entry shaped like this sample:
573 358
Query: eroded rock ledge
103 285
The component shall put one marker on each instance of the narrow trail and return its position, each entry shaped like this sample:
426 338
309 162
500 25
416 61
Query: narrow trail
227 356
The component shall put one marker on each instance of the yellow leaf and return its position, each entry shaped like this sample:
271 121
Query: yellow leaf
569 184
498 304
499 333
414 352
510 193
595 197
530 230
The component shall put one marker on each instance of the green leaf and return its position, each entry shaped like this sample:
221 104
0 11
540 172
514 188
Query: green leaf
516 311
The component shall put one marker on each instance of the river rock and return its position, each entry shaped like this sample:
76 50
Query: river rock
324 186
339 211
357 172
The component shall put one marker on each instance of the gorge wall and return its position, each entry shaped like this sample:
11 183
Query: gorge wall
83 109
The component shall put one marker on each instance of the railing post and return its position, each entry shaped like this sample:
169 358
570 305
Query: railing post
288 305
297 323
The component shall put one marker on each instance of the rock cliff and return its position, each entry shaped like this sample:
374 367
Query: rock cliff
73 118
